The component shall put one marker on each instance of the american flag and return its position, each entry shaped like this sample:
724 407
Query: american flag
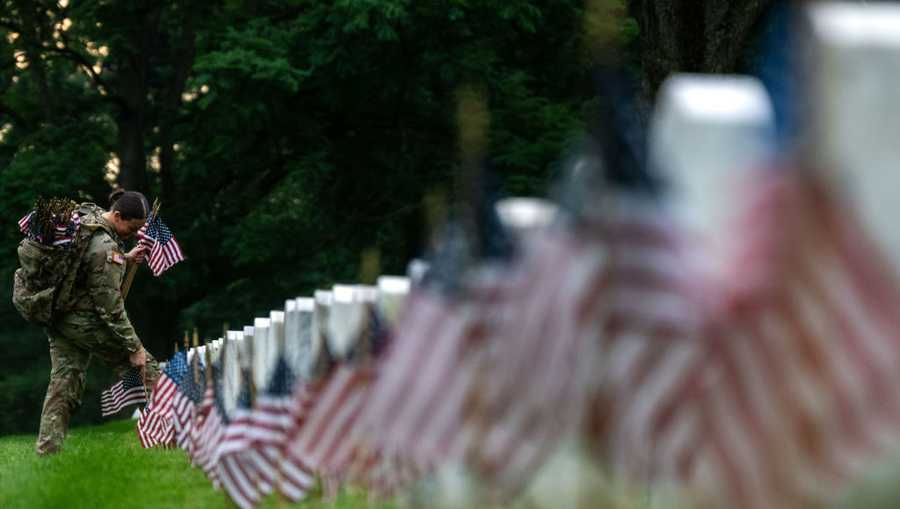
237 471
527 387
155 426
25 223
270 421
325 413
414 409
185 403
209 427
127 391
163 249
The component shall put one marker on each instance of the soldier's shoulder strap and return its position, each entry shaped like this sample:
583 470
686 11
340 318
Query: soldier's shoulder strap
91 220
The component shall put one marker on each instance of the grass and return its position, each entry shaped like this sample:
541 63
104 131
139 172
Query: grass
105 467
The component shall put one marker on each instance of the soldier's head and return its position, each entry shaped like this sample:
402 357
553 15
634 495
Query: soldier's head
128 211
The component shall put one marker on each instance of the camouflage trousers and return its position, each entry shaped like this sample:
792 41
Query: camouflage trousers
74 339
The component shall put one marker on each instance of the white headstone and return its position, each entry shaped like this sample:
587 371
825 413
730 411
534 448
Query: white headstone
231 376
523 215
247 353
261 351
344 321
706 133
275 340
298 334
309 350
857 109
392 293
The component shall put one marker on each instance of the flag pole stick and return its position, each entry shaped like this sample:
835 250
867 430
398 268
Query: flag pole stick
132 267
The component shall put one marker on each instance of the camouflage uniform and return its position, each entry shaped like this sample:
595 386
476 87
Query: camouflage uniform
94 323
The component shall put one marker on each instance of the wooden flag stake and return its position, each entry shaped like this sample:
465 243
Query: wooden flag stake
196 353
132 267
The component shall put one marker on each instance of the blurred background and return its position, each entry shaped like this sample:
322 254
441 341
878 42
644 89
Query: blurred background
284 138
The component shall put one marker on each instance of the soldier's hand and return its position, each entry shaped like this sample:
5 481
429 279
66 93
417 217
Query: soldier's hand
136 255
138 359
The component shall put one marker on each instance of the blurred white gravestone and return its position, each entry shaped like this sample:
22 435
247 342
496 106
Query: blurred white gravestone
275 340
291 333
345 320
247 353
231 375
523 215
298 335
857 109
392 293
706 133
260 352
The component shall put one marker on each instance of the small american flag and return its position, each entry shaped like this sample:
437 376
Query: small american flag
127 391
237 470
209 427
268 426
185 404
155 424
325 415
25 223
164 251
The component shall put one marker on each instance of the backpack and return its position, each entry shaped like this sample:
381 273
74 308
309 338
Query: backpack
45 280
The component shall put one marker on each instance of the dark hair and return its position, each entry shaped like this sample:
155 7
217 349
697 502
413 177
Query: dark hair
129 204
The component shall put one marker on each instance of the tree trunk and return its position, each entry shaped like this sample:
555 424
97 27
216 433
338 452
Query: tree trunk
706 36
184 62
134 87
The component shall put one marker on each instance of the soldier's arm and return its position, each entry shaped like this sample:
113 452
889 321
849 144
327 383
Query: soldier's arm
104 278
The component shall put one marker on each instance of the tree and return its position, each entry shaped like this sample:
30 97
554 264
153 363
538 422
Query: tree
694 36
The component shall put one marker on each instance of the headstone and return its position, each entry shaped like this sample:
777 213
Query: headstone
707 132
231 377
298 334
247 352
856 57
275 339
524 215
345 321
260 352
392 293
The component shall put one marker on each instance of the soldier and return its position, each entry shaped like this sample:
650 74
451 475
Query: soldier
95 322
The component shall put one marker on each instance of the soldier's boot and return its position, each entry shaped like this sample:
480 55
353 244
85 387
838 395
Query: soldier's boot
63 398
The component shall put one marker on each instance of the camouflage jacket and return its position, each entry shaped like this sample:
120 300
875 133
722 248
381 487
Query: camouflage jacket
98 281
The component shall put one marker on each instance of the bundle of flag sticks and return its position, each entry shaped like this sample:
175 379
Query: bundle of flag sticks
52 222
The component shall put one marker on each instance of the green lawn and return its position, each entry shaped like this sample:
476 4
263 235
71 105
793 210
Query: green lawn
105 467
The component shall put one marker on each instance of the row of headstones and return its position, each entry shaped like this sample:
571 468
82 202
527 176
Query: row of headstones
332 321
